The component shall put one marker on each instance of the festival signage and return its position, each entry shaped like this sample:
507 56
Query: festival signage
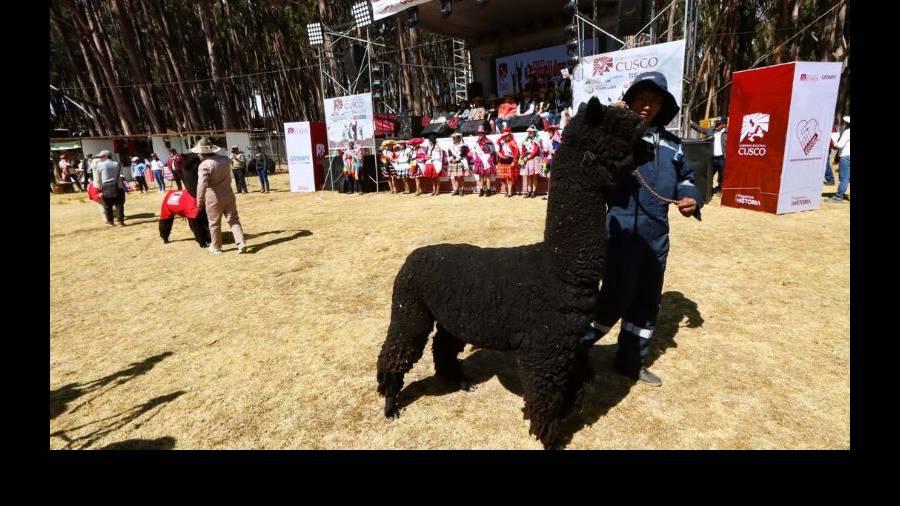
350 118
607 76
385 8
305 148
543 66
779 120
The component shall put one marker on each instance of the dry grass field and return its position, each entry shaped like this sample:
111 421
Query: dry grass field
169 346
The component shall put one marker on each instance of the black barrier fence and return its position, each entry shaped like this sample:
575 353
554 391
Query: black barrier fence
698 156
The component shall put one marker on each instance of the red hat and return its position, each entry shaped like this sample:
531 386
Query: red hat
506 131
416 141
552 127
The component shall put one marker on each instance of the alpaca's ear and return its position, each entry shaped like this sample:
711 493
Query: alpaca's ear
594 111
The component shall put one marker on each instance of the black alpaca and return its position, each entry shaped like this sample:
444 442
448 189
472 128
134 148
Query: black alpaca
199 225
538 300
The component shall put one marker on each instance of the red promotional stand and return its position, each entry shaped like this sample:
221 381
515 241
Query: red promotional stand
779 122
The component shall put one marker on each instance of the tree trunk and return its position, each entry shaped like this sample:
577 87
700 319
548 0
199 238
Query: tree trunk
206 19
126 33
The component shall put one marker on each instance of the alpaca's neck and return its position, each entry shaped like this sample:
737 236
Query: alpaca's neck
575 229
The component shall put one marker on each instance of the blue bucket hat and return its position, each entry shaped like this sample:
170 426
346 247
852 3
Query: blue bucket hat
657 81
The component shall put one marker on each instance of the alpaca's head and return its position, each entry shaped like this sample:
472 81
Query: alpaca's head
601 145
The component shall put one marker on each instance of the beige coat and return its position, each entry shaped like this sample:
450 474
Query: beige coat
214 182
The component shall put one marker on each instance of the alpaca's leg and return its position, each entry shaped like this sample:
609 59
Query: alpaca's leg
445 349
411 322
550 384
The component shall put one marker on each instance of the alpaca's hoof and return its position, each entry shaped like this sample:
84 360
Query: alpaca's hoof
466 386
391 412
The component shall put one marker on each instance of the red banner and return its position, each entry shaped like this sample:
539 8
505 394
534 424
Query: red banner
757 129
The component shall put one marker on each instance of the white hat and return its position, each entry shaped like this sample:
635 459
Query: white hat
847 119
204 147
105 153
135 159
532 128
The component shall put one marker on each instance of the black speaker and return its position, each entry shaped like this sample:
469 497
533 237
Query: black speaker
438 129
698 156
471 127
410 126
474 89
521 123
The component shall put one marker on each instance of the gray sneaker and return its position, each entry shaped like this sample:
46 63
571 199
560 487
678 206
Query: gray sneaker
241 248
649 378
214 250
835 199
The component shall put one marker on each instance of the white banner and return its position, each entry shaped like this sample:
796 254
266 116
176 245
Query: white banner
385 8
349 118
543 65
298 147
813 101
607 76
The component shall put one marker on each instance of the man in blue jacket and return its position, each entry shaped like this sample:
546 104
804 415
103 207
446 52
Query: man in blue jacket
637 228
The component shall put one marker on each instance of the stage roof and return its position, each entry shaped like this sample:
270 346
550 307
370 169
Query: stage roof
471 21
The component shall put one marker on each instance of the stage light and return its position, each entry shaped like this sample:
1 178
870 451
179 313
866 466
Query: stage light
571 30
446 8
362 14
570 7
315 34
413 20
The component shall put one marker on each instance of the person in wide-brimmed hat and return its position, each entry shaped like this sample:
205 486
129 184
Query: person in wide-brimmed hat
417 163
238 169
531 161
457 163
485 162
555 141
507 161
386 162
638 230
215 194
403 155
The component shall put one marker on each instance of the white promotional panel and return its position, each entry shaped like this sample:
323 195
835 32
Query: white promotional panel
813 100
298 147
350 117
607 76
385 8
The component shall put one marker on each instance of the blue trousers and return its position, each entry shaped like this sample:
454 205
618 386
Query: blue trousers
631 291
263 178
844 168
158 175
829 175
239 182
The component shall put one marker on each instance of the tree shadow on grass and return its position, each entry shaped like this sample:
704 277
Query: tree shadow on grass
62 396
105 426
607 389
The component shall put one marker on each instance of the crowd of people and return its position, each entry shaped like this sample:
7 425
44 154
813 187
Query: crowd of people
426 162
553 105
147 169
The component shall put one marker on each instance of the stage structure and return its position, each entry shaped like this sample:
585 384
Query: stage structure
479 33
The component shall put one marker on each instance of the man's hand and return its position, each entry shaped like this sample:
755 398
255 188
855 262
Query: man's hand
621 104
687 206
